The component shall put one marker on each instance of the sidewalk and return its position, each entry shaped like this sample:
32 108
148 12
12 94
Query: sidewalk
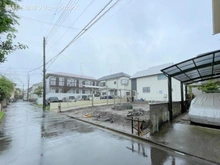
193 140
196 140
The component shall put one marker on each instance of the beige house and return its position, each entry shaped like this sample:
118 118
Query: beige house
117 84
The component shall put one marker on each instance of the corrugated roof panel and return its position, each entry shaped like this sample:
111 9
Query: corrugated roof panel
217 56
196 69
204 60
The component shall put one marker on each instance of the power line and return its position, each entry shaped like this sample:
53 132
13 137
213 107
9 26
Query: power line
61 19
87 27
54 15
73 23
109 18
51 23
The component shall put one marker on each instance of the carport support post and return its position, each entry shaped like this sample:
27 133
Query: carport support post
186 97
170 98
186 93
182 98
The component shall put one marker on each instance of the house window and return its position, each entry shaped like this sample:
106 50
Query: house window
124 81
57 90
53 81
127 93
61 81
87 83
103 93
146 89
161 77
102 84
80 83
114 82
71 82
83 91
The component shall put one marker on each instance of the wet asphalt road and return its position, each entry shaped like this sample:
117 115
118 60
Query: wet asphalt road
31 137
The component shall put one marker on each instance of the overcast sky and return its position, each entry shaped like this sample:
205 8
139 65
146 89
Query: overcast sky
133 36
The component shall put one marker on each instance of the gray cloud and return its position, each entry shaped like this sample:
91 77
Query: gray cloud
140 35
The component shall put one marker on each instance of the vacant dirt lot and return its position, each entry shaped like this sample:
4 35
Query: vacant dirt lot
106 116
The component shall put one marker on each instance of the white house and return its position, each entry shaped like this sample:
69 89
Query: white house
117 84
32 89
65 84
152 85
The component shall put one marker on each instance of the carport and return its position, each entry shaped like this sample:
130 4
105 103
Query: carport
200 68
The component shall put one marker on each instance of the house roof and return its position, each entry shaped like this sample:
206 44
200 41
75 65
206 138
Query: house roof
38 84
155 70
70 75
113 76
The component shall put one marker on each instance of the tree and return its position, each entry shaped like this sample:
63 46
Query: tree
210 87
8 21
17 93
38 91
6 88
191 95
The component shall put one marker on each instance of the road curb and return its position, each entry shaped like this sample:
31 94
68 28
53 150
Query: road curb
145 140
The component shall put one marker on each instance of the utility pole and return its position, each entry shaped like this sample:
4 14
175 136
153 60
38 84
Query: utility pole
28 87
44 75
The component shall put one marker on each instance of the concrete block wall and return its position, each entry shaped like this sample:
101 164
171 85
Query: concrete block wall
87 103
176 109
159 114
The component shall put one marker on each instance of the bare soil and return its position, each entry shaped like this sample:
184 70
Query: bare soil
106 116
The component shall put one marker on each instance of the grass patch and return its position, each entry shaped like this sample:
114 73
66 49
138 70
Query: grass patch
41 106
2 114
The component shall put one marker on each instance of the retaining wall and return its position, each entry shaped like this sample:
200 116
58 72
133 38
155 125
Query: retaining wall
87 103
159 114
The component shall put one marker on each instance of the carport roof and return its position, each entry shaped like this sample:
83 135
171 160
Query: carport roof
200 68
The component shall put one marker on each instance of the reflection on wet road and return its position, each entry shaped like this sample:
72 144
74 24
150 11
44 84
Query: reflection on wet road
31 137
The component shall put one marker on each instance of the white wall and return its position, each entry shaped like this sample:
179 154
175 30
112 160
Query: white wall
124 88
158 89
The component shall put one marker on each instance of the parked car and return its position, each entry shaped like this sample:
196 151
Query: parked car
12 100
84 97
105 97
72 99
205 109
52 99
65 99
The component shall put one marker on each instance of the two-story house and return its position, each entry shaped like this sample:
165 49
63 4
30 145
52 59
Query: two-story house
69 83
116 85
32 94
152 85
